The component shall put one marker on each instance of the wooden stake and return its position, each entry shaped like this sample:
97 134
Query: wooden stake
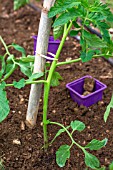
39 65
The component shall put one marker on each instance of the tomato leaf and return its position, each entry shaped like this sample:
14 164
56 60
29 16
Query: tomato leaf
9 67
91 160
61 6
107 112
93 40
19 84
55 79
74 32
3 64
64 18
35 76
58 31
111 166
4 103
25 68
96 144
27 59
62 155
19 48
19 3
77 125
87 56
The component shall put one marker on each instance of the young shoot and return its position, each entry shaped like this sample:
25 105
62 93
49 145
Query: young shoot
63 153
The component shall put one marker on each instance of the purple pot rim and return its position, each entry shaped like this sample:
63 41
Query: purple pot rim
50 41
85 97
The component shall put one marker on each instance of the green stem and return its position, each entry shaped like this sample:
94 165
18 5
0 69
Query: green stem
84 46
47 85
36 82
71 145
10 46
1 39
65 28
54 63
72 132
56 136
75 60
46 96
31 82
5 55
68 62
69 134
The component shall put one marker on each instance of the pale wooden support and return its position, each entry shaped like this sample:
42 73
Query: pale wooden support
41 48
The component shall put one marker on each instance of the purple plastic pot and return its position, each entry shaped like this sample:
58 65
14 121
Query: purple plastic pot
76 91
52 46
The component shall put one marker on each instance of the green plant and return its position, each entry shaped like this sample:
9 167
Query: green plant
66 13
63 153
19 3
1 165
90 12
9 64
110 3
109 107
111 166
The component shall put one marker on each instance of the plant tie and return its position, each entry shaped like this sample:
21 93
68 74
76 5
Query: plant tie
48 58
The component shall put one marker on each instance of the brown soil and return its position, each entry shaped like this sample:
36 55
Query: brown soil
19 26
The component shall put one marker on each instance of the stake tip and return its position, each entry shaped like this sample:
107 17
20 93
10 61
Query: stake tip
29 125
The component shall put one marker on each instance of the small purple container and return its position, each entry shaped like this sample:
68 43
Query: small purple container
52 46
76 91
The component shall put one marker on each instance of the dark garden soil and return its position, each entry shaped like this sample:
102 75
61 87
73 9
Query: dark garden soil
26 153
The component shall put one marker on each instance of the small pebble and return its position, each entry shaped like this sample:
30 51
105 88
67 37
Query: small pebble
41 123
17 142
22 125
18 21
21 100
68 59
19 112
107 131
53 111
88 127
13 111
75 110
107 161
40 100
84 142
100 103
67 38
